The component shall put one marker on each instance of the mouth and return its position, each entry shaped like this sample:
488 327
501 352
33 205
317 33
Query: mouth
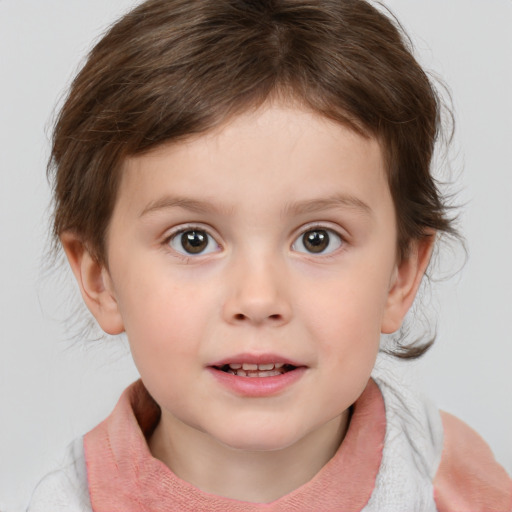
255 369
257 375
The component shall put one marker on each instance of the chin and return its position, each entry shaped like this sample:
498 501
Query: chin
258 440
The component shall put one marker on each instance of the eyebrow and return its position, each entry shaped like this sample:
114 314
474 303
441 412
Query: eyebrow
336 201
168 202
294 208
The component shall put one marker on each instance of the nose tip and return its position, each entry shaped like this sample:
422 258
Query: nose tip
259 297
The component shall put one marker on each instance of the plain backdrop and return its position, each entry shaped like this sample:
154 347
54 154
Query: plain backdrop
53 389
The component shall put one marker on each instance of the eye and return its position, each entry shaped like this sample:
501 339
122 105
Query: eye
318 241
192 242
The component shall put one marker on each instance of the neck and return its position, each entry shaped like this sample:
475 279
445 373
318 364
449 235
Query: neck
253 476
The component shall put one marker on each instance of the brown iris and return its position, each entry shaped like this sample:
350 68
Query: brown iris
316 240
194 241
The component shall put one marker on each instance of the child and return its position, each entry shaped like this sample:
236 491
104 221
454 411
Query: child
244 188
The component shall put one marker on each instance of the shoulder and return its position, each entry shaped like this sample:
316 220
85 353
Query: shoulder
433 459
468 478
64 489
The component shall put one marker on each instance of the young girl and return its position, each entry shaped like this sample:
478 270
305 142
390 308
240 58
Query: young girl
244 188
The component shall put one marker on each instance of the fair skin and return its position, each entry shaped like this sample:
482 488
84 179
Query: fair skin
269 240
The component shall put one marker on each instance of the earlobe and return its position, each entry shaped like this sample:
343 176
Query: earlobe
94 282
405 283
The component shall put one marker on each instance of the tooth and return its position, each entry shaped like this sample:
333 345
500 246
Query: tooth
249 366
232 372
241 373
278 365
235 366
268 374
266 366
252 374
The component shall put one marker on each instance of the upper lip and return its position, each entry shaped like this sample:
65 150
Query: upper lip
255 359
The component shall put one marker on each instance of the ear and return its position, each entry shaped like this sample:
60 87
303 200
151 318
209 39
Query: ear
405 283
94 282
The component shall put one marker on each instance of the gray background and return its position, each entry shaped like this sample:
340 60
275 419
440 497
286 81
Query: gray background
53 389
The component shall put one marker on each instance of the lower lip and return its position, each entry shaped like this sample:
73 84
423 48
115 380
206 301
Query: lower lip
258 386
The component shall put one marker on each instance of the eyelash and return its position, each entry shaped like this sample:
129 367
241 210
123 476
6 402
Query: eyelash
183 253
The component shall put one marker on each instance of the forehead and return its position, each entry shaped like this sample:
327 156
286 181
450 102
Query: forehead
274 156
272 138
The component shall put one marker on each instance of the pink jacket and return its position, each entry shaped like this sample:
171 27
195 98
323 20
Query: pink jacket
399 454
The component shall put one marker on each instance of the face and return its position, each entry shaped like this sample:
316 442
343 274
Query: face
253 269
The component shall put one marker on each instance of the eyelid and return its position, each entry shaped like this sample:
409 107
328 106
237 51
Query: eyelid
322 225
189 226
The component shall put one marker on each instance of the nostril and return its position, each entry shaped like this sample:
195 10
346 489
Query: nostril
241 316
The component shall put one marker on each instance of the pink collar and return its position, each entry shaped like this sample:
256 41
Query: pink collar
124 476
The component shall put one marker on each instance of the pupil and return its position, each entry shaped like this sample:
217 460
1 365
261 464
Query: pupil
194 242
316 241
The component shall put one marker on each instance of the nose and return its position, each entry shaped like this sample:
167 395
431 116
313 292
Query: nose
257 294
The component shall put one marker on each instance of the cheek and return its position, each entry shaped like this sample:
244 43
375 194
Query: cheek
347 308
163 320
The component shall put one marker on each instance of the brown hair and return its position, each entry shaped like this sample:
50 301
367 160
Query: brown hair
173 68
